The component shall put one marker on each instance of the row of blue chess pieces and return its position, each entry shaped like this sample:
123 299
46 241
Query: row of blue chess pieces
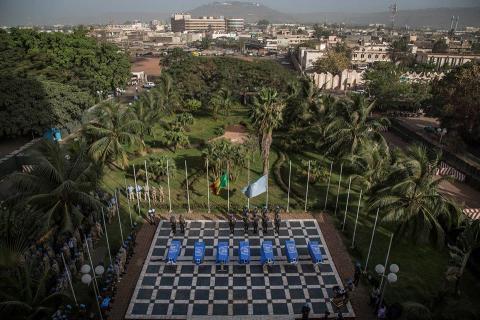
266 252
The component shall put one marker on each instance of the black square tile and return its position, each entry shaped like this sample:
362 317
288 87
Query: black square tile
239 281
260 309
239 269
149 281
312 232
189 252
182 294
191 242
223 233
283 232
319 308
301 242
255 242
221 281
256 269
295 224
258 281
204 269
315 293
296 294
297 307
240 309
325 268
200 309
294 280
308 268
220 295
309 223
311 280
239 294
166 281
280 308
254 252
220 309
203 282
153 269
275 281
277 294
185 281
187 269
161 242
274 269
201 294
259 294
208 233
164 294
289 268
144 293
209 225
297 232
140 308
180 309
164 232
329 280
160 309
170 269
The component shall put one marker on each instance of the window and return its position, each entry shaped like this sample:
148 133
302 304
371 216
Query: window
369 56
376 56
362 56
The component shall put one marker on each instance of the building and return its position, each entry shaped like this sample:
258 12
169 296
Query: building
184 22
370 53
235 24
307 57
444 59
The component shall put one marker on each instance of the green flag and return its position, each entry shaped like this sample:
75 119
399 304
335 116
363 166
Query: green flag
224 181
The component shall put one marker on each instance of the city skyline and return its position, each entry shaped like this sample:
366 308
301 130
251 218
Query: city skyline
73 12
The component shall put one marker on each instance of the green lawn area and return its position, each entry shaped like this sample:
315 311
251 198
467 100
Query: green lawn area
422 267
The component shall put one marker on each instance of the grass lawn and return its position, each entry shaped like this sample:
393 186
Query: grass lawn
422 267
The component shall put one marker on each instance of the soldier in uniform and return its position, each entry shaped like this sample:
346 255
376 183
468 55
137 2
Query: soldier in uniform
154 195
173 223
245 212
231 222
277 222
245 223
162 195
182 222
265 223
255 224
139 192
131 195
146 191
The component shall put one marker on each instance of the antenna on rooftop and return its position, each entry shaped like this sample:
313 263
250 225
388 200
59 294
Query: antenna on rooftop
393 14
451 23
456 24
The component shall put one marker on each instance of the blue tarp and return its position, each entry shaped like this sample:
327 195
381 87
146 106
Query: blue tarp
222 252
198 252
105 303
315 253
291 250
244 252
173 251
266 252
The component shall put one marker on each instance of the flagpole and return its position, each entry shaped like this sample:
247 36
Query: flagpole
289 178
136 193
386 259
356 220
186 181
328 186
268 169
148 187
228 187
306 191
248 182
69 280
371 240
106 236
338 190
128 203
118 214
168 184
208 190
346 206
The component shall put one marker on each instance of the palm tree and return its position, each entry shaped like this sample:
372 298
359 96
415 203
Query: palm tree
112 132
353 127
168 93
176 138
58 186
148 110
223 100
24 295
266 114
409 198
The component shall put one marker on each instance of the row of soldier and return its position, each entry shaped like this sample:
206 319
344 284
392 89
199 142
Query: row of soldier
146 193
247 218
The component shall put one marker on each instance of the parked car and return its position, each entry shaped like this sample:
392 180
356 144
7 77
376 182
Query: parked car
148 85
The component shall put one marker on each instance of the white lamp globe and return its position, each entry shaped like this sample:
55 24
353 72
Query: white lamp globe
86 278
99 270
379 269
85 268
394 268
392 277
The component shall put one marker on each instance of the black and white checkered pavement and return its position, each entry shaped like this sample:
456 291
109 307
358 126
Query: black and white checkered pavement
185 290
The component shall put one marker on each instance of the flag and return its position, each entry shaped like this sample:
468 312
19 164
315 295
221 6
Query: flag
219 184
256 188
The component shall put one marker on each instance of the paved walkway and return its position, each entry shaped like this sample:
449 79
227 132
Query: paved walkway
129 281
344 265
337 249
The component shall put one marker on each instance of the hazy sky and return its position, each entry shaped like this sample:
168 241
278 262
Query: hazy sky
13 12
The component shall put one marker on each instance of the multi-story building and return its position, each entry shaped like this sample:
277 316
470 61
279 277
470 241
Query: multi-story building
307 56
443 59
370 53
184 22
235 24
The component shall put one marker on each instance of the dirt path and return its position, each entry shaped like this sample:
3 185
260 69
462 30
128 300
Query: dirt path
235 133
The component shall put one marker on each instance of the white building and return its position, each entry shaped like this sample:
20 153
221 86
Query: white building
307 56
442 59
370 53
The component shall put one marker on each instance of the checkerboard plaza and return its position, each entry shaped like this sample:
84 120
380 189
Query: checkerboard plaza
189 291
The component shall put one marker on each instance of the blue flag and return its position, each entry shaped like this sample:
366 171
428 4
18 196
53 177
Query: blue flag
256 188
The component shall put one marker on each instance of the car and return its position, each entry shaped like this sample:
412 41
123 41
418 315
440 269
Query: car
148 85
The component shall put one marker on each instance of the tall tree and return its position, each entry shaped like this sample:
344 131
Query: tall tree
334 62
114 130
267 115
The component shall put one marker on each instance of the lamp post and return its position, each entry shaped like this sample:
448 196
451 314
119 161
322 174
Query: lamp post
391 278
441 132
87 279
